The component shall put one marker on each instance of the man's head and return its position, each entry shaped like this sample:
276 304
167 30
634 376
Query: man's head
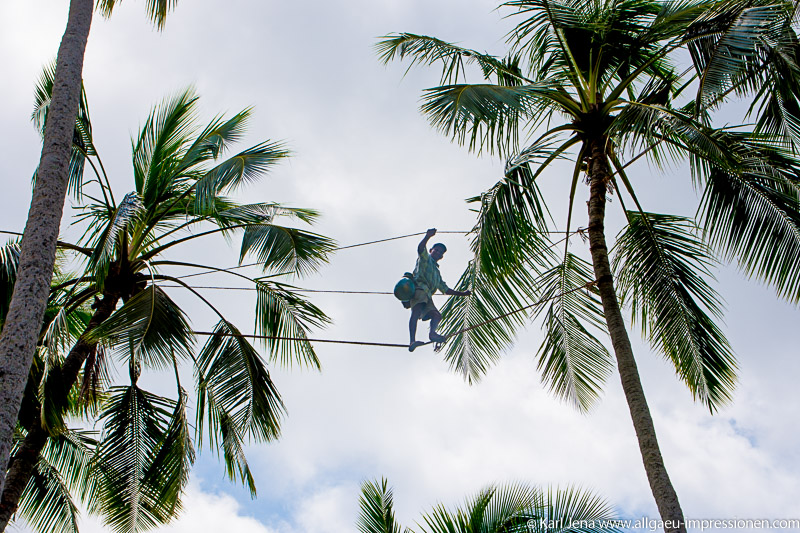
437 251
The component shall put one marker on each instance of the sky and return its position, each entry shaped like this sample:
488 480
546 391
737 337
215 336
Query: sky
366 158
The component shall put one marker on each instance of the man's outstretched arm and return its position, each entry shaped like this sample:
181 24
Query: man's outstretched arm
451 292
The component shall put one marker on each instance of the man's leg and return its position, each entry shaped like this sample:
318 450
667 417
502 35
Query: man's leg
412 327
436 317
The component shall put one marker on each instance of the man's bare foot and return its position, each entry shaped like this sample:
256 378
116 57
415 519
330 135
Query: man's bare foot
435 337
414 345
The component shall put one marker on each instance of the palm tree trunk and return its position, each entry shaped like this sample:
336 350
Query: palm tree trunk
37 256
664 493
24 461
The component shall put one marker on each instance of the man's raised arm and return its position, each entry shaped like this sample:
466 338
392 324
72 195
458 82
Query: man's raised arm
423 244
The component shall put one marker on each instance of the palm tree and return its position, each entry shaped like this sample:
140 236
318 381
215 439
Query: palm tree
602 77
38 248
511 508
135 472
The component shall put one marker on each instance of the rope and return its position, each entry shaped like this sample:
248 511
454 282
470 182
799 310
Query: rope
217 287
333 250
392 345
368 243
255 289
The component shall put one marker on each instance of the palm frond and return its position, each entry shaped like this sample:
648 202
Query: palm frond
214 140
521 508
725 40
511 230
573 362
94 381
152 324
265 213
237 398
426 51
506 239
509 507
670 133
376 505
662 267
284 249
169 470
70 454
537 34
46 504
754 217
135 425
487 116
237 390
235 171
281 312
476 336
158 151
564 509
82 143
156 9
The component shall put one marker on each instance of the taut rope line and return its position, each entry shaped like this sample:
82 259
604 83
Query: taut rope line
368 243
393 345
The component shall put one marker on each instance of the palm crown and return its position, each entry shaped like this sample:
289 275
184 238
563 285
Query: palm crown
134 474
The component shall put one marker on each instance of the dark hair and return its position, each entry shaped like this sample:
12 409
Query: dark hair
440 245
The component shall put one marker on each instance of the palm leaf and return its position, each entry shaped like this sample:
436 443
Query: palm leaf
520 508
280 312
376 505
70 454
150 322
508 508
506 239
731 36
486 115
236 389
156 9
283 249
169 470
135 425
426 50
754 216
573 362
82 144
509 233
157 154
237 170
264 213
564 509
215 139
46 504
661 268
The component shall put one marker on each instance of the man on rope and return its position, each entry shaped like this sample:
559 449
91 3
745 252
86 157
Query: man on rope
428 280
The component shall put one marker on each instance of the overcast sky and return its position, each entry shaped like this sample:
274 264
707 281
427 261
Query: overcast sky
366 158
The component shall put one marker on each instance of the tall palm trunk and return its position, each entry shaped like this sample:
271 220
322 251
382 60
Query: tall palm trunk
37 256
666 498
24 461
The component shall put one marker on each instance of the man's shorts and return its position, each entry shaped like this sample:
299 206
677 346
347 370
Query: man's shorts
421 297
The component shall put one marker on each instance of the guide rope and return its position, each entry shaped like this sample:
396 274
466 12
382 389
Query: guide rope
347 247
395 345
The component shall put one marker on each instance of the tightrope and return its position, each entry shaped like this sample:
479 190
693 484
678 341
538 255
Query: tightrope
393 345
